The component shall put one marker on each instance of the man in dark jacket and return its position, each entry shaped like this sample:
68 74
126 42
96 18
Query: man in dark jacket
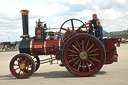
93 21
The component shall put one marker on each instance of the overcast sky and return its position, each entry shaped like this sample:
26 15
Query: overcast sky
112 13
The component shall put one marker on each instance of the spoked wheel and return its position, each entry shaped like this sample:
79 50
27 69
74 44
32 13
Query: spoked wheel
22 66
69 28
37 62
83 55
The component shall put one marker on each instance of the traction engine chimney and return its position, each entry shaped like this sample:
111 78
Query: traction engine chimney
25 23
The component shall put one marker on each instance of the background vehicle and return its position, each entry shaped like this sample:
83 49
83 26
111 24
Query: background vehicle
123 40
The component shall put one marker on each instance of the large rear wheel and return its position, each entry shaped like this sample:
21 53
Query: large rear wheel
83 55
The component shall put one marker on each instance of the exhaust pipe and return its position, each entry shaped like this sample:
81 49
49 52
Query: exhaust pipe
25 23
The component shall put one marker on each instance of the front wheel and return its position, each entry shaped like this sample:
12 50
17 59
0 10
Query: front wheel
83 55
22 66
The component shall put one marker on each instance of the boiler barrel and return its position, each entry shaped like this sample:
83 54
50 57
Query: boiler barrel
45 48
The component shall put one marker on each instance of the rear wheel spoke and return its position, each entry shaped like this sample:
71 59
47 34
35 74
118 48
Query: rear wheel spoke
79 66
76 62
93 50
94 59
72 55
93 54
90 47
88 66
72 51
82 44
78 44
87 44
91 62
75 48
73 59
83 66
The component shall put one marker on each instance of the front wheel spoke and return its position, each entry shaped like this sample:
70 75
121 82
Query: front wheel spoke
16 65
23 72
90 47
21 59
79 66
25 60
91 62
29 67
76 62
73 59
73 55
76 48
93 50
28 63
19 71
18 62
88 66
93 54
17 68
94 59
72 51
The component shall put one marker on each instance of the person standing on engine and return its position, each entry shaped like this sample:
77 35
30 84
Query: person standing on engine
93 21
90 27
99 31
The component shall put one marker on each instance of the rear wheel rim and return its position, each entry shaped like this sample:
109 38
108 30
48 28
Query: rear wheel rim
83 55
22 66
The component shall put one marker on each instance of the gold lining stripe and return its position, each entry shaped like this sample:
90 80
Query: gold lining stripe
31 47
59 44
45 47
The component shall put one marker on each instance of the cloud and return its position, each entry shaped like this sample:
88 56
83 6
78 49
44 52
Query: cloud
112 13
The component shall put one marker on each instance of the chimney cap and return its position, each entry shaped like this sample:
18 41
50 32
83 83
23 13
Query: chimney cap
24 12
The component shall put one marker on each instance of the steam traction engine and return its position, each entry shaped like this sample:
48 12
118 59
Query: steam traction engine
81 53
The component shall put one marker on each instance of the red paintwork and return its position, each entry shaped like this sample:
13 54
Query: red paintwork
109 44
52 47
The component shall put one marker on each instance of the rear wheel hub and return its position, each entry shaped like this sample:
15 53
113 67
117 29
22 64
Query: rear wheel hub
83 55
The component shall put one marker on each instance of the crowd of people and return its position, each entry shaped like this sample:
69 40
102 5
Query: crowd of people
9 46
